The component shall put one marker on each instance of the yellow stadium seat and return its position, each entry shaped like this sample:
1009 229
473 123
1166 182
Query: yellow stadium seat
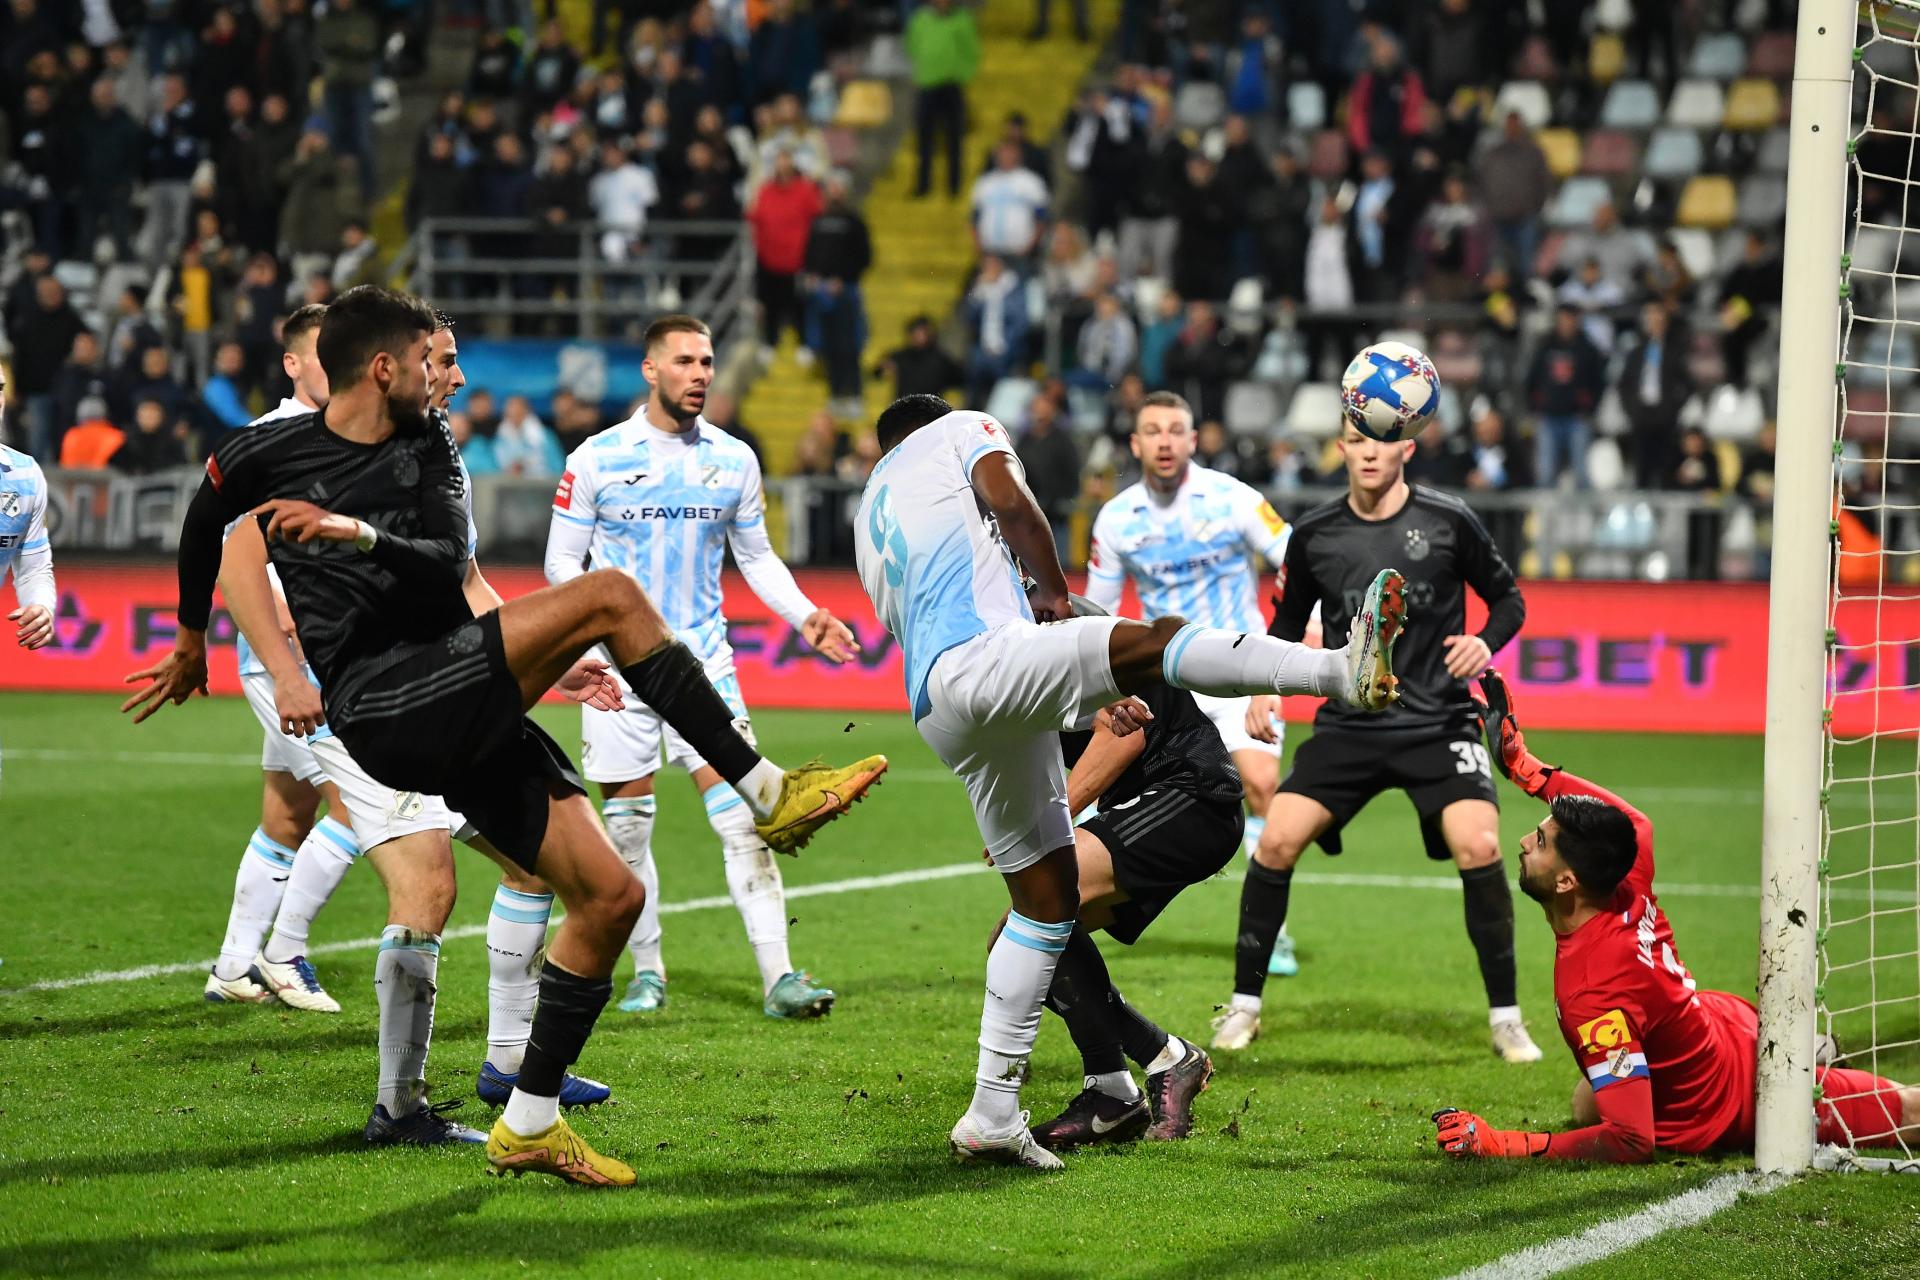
1562 148
864 104
1753 106
1606 58
1707 202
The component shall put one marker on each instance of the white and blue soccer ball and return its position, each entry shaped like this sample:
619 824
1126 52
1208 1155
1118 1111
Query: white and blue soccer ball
1389 391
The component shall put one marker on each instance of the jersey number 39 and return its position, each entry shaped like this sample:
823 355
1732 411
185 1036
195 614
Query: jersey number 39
1473 758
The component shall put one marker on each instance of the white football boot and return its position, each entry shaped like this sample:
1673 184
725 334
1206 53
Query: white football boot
1235 1028
1015 1147
295 982
1512 1043
240 990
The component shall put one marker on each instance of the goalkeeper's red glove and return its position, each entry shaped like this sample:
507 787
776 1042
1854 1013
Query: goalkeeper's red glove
1517 764
1464 1134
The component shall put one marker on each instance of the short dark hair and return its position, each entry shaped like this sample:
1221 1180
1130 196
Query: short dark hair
1596 841
362 323
1163 400
907 415
441 320
678 322
302 322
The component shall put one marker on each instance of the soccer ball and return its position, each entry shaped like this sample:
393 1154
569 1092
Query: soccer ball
1389 391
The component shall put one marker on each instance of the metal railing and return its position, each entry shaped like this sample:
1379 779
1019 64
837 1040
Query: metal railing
526 270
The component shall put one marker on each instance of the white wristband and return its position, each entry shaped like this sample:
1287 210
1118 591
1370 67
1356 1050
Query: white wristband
367 536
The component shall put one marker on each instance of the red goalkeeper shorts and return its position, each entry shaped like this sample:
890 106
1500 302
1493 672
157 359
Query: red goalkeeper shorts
1857 1108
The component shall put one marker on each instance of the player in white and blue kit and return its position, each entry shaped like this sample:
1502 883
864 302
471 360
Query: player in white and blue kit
1193 540
662 496
25 553
946 536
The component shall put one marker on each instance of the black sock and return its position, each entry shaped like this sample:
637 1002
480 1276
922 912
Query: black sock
1490 926
569 1005
1079 996
1140 1036
675 685
1263 913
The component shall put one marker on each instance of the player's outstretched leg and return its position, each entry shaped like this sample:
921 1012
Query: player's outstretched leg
545 632
603 900
325 857
1110 1108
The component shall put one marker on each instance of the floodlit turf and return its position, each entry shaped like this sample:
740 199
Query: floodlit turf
145 1132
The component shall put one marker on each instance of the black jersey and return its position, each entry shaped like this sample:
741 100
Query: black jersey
1184 753
1442 548
353 608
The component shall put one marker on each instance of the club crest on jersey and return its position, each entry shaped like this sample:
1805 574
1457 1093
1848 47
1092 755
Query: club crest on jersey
466 640
406 469
9 504
1418 548
1606 1032
710 477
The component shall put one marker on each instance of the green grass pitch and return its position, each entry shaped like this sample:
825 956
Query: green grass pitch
145 1133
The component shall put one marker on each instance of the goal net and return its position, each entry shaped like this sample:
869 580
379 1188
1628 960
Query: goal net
1867 973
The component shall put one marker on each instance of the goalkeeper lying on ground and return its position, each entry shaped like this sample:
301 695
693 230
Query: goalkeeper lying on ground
1666 1067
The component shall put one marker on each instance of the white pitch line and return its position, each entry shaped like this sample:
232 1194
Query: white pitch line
1610 1238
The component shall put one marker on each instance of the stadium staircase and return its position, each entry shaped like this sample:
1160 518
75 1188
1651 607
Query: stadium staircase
923 249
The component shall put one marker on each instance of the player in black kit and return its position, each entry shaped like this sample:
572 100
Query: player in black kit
362 508
1427 745
1170 816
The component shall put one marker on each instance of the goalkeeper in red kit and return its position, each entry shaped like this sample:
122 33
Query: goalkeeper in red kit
1665 1066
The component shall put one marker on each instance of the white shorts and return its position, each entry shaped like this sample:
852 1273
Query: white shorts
279 752
1229 716
626 745
998 705
376 811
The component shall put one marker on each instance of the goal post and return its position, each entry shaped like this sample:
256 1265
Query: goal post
1792 834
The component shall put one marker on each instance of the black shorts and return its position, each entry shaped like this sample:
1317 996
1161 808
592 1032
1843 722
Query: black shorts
444 718
1160 844
1435 766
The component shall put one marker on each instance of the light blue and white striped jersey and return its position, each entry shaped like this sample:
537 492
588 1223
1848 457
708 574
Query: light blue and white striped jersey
1196 554
662 506
250 664
24 551
932 562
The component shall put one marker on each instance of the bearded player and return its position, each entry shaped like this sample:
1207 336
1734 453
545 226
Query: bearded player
662 497
1665 1066
1427 745
1195 542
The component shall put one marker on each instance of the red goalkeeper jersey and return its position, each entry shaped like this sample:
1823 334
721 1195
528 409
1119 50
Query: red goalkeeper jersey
1657 1052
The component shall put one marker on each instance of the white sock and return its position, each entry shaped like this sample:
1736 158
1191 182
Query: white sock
1503 1013
761 787
527 1115
325 857
257 889
403 987
516 940
1251 840
630 824
753 879
1249 1003
1019 971
1168 1057
1232 664
1115 1084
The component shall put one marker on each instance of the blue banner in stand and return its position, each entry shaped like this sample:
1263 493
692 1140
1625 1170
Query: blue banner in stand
603 373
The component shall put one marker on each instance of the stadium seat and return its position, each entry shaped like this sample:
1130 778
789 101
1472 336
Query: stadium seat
1535 61
1613 15
1306 105
1574 203
1147 292
1720 56
1408 337
1606 470
1707 201
1529 98
1630 104
1772 56
1606 58
1253 410
1609 154
1009 400
1763 200
1673 153
1246 306
1772 156
1734 413
1697 104
1199 105
1315 411
1752 106
1610 418
864 104
1327 155
1696 251
1562 149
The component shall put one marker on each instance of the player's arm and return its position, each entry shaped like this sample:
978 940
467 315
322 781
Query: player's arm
1296 593
256 608
437 555
1485 570
767 574
999 480
34 593
1102 763
570 531
1106 574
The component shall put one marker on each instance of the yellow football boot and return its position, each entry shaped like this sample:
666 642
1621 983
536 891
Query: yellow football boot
558 1151
814 795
